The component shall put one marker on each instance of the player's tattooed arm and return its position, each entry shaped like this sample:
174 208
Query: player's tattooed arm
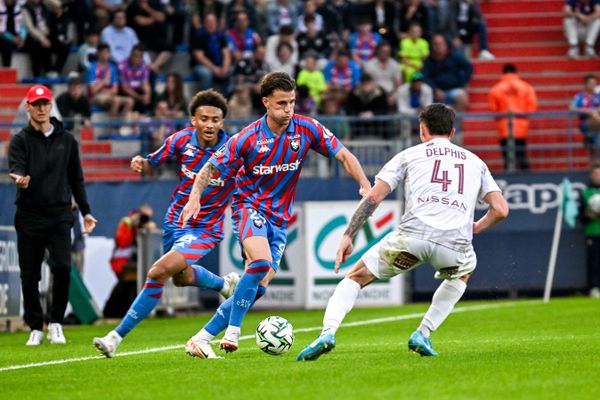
362 213
367 206
202 180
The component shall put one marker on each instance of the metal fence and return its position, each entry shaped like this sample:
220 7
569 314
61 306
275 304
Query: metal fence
554 141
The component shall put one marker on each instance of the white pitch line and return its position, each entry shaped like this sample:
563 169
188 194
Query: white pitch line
311 329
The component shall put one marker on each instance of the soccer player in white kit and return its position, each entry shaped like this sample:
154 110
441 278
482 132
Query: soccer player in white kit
442 184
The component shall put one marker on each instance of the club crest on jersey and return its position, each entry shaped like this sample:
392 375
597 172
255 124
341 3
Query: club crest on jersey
295 145
257 222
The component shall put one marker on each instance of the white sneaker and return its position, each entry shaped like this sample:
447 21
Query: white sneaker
573 52
230 340
35 338
594 294
55 333
108 344
590 52
231 281
200 349
486 55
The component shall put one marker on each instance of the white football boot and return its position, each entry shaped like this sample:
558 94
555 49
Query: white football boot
35 338
108 344
200 348
231 281
230 340
55 333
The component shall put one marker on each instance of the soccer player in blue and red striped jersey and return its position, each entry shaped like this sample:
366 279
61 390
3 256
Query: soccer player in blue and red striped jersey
191 147
268 155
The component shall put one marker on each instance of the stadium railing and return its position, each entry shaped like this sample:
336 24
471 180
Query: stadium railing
554 141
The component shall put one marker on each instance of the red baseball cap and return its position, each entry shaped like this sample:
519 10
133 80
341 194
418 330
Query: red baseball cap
38 92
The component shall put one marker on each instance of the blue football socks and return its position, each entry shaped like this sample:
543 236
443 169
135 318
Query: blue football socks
220 320
143 305
205 279
247 287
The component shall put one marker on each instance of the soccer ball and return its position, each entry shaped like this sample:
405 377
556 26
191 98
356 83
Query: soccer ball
594 203
274 335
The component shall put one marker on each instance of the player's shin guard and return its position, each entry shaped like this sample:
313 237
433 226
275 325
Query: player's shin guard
444 299
246 290
220 320
143 305
205 279
340 304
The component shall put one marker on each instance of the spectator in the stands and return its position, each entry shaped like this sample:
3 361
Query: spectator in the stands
587 104
80 13
236 6
252 71
104 9
366 101
338 19
173 96
342 73
242 38
310 10
175 11
315 41
240 102
286 34
412 97
281 13
103 85
148 20
199 9
312 78
448 73
465 20
12 29
413 51
581 24
134 80
211 57
47 52
333 116
162 126
513 95
73 104
384 19
305 103
284 62
384 69
413 11
364 41
87 52
119 37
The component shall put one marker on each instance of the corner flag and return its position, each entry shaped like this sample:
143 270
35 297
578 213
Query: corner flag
569 205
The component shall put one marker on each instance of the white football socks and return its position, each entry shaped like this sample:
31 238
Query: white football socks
444 299
340 304
203 336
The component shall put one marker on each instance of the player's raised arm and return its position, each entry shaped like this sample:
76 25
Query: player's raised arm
352 165
192 208
365 208
496 213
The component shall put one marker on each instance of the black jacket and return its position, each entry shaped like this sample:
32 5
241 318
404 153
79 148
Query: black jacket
54 167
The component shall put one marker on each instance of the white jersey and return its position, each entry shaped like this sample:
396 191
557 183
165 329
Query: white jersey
442 184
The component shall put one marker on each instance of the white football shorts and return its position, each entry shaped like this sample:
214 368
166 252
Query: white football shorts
397 253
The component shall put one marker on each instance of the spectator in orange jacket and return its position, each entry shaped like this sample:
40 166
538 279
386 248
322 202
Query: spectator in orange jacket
512 94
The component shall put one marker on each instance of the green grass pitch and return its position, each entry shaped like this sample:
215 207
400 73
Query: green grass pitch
488 350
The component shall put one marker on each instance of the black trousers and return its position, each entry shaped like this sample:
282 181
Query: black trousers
592 246
520 154
37 232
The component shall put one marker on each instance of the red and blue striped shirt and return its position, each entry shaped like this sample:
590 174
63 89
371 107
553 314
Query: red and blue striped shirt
269 165
183 146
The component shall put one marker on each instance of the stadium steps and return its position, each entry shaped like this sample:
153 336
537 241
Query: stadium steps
530 35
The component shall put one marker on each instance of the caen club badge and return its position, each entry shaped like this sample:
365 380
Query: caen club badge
295 145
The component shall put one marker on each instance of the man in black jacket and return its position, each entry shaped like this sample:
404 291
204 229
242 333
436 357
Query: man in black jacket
44 163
